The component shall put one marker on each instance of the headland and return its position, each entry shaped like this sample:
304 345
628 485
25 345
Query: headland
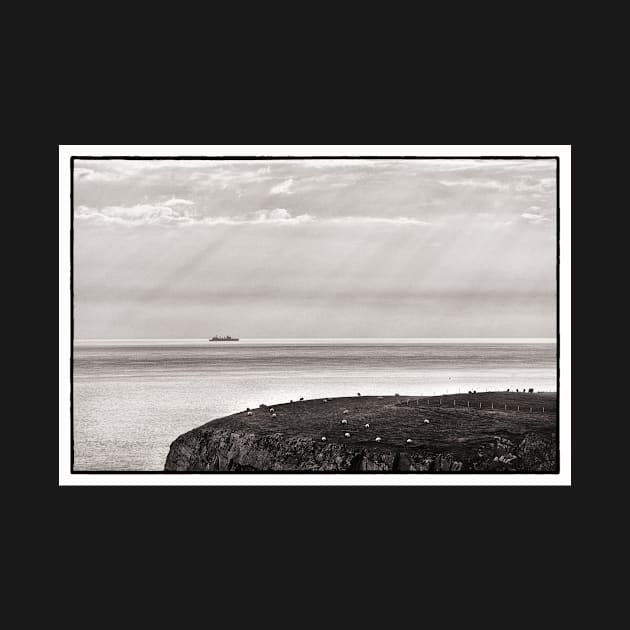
472 432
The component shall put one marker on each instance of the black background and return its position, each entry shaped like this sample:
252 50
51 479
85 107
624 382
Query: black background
340 544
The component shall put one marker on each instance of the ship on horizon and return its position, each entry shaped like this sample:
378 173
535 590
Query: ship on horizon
226 338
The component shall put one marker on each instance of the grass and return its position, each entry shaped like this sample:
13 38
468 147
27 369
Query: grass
459 428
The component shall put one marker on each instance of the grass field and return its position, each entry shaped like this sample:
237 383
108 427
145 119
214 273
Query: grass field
453 425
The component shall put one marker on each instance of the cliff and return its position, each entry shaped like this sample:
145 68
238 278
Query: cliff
492 431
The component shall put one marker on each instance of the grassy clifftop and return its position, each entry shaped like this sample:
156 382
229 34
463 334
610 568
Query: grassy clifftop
464 432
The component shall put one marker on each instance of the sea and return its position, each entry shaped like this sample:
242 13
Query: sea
133 397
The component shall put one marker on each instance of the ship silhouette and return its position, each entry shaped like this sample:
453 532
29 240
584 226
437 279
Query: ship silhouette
226 338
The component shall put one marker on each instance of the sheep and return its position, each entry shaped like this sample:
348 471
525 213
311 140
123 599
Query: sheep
358 393
274 415
426 421
249 413
302 398
367 425
409 440
271 410
344 422
378 439
323 438
346 435
345 411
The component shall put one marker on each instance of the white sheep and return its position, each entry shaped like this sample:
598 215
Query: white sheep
345 411
274 415
346 435
367 425
409 440
323 438
344 422
426 421
271 410
249 413
378 439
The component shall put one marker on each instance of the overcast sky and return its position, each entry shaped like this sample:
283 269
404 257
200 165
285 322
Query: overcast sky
314 248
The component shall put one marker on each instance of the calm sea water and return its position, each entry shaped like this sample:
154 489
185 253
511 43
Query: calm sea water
132 398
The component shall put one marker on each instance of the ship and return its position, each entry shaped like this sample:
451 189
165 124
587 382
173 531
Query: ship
226 338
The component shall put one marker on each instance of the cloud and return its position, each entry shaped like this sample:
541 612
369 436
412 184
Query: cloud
279 215
283 188
165 215
533 184
99 176
476 183
534 218
178 202
384 220
140 214
526 175
219 173
426 165
173 213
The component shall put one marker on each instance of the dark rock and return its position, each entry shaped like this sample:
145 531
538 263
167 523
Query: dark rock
245 444
538 452
445 462
360 461
402 463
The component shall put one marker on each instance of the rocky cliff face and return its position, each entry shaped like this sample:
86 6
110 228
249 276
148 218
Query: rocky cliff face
242 451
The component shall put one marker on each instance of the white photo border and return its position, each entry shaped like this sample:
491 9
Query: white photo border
68 478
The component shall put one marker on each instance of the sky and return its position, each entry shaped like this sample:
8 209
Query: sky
314 248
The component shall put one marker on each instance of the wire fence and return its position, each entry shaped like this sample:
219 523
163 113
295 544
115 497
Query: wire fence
491 405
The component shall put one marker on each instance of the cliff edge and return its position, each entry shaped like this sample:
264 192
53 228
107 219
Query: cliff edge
490 431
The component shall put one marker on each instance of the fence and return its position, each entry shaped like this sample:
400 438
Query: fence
439 403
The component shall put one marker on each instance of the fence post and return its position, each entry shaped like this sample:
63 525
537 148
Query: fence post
492 405
468 403
518 407
543 410
505 406
479 405
530 410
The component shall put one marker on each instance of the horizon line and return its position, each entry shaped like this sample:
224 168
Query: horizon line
542 339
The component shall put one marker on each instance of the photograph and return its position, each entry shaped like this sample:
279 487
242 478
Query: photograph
312 313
